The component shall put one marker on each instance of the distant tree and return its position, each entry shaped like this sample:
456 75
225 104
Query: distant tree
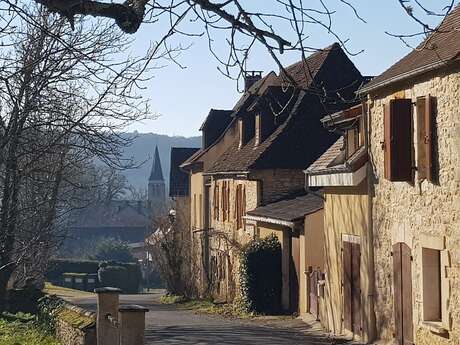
110 249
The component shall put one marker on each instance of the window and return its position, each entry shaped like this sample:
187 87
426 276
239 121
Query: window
431 266
397 144
225 201
425 112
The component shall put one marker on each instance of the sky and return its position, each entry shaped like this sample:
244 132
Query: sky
182 96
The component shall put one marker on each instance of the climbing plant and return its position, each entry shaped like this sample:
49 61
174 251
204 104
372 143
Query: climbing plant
260 275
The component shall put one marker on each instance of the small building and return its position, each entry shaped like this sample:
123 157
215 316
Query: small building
345 304
414 148
298 223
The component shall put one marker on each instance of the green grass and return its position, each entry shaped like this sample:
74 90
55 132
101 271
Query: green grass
23 333
61 291
230 310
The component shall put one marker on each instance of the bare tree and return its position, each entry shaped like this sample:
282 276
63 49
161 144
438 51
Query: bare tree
63 98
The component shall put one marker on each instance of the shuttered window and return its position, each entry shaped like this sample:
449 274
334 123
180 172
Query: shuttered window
216 201
397 142
351 256
225 201
425 115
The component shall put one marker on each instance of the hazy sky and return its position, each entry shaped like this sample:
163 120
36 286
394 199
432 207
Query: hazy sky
183 97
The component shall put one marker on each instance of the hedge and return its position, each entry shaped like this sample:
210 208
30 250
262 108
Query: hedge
125 276
57 267
260 275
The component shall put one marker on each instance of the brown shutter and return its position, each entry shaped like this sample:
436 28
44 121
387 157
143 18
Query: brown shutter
398 140
386 140
346 281
429 137
406 282
356 287
397 293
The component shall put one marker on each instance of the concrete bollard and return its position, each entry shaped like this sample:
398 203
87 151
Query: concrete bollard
107 304
131 320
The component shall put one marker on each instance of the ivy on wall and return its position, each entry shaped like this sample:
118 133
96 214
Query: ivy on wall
260 275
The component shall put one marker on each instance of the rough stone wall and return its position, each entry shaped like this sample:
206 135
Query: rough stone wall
76 326
405 212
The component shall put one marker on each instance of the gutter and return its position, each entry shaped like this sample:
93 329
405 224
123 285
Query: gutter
270 220
226 173
406 75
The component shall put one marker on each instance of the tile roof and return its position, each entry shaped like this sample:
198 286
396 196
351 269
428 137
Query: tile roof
298 138
290 209
333 160
441 47
178 179
216 117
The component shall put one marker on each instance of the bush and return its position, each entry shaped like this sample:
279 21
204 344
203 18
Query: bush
48 311
57 267
125 276
260 275
112 250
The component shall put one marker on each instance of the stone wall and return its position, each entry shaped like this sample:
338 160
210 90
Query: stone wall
417 211
75 326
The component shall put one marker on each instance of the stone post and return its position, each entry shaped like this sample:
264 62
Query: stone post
107 305
131 324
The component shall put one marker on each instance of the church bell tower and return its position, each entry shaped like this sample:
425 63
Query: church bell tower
156 190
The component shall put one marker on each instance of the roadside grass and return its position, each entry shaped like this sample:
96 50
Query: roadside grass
228 310
20 330
61 291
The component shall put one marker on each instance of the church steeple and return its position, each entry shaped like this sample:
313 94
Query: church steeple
157 173
157 190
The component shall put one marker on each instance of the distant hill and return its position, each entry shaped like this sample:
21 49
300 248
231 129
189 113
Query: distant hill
142 149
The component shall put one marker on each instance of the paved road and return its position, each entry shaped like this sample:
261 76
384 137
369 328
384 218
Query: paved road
165 324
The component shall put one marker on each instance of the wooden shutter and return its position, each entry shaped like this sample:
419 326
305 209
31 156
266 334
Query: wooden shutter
429 110
397 293
398 140
346 281
356 287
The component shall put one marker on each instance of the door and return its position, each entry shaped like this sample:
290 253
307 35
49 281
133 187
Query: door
351 287
294 273
402 282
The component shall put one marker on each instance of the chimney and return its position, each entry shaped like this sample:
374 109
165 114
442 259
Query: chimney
250 77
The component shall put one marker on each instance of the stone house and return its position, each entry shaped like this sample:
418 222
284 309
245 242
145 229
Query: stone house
274 134
413 124
344 301
291 219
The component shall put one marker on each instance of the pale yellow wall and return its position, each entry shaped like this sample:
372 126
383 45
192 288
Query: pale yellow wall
345 213
196 193
406 212
311 253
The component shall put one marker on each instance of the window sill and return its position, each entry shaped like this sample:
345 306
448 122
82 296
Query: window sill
435 327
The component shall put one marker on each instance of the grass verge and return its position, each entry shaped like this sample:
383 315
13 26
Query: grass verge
20 332
229 310
60 291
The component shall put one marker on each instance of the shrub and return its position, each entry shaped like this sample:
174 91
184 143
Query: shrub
57 267
125 276
48 311
260 275
112 250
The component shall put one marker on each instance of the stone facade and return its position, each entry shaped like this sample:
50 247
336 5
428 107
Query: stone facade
420 214
75 326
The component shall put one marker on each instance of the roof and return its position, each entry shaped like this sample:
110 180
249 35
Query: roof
156 173
179 179
216 117
289 209
113 214
299 127
440 48
333 160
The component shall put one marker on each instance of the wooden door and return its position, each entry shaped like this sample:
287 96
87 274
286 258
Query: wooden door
351 259
402 281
